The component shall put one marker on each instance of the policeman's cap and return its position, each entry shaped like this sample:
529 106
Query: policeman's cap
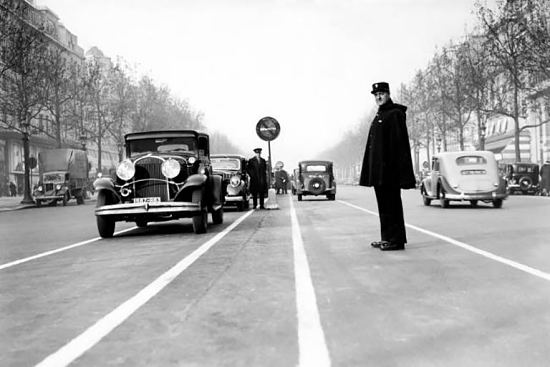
380 87
258 150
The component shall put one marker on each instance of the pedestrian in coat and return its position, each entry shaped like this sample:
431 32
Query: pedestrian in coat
387 166
257 170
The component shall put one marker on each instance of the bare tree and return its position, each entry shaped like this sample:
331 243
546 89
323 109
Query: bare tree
22 85
509 48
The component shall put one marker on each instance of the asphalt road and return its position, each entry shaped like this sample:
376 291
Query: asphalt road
295 286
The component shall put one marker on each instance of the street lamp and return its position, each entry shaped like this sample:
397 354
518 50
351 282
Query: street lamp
83 138
482 131
438 143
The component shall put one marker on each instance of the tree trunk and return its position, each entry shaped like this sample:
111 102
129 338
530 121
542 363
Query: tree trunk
516 124
27 197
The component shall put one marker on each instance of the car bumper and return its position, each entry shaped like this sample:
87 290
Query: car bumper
49 197
476 196
234 199
330 190
185 208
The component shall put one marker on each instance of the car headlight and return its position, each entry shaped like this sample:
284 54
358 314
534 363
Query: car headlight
235 181
170 168
192 160
58 187
125 170
40 188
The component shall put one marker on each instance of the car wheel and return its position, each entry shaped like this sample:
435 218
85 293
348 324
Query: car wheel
299 197
200 222
497 203
38 203
217 216
444 202
141 223
105 225
65 199
240 206
473 203
427 201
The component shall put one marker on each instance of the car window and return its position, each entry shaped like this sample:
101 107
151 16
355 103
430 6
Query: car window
470 160
224 163
525 169
315 168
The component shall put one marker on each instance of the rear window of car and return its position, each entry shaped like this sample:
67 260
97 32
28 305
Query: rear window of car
316 168
469 160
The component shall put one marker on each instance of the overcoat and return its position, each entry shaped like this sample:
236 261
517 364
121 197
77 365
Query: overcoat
258 175
387 160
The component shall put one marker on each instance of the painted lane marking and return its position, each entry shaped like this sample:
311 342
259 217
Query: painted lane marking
48 253
487 254
312 347
83 342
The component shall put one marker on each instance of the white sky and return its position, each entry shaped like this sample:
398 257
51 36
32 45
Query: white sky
308 63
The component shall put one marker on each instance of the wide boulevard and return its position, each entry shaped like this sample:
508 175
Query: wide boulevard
297 286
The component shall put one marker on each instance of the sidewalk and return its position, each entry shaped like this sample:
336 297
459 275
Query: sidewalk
14 203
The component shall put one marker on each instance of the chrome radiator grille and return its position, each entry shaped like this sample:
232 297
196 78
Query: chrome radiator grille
154 183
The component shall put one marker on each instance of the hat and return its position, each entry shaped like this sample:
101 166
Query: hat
258 150
380 87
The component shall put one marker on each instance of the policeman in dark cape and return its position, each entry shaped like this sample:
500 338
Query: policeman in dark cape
387 166
257 170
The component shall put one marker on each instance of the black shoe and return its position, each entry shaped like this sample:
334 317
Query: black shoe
262 207
392 246
377 244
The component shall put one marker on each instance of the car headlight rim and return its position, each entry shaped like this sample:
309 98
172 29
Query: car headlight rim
170 168
235 181
126 170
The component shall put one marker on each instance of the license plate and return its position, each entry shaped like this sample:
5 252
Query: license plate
147 200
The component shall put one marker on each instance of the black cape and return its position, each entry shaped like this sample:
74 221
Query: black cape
387 160
258 175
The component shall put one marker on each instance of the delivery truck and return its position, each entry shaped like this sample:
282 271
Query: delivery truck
63 176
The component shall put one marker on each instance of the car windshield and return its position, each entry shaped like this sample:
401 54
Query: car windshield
469 160
162 145
225 163
315 168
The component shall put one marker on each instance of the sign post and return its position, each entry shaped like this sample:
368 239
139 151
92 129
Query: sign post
268 129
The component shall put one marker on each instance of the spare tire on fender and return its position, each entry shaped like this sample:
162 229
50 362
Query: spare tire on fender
317 186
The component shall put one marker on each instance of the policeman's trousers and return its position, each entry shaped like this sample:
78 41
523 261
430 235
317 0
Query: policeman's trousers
390 210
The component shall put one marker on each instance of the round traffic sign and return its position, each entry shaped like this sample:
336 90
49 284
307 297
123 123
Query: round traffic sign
268 128
32 162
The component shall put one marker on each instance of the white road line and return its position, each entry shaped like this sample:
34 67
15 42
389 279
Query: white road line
487 254
313 351
48 253
79 345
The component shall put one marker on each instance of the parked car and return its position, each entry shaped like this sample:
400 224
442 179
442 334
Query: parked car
464 176
166 175
316 178
63 176
294 180
235 183
522 178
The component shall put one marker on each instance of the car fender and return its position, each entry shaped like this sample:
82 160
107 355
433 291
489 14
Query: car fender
107 186
216 191
191 184
446 186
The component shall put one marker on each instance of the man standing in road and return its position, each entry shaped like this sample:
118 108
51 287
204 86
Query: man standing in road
387 166
257 170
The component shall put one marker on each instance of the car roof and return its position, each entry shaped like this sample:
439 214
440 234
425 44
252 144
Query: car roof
163 134
227 156
315 162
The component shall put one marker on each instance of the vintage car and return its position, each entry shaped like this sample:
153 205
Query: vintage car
232 168
464 176
294 180
166 175
316 178
522 178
